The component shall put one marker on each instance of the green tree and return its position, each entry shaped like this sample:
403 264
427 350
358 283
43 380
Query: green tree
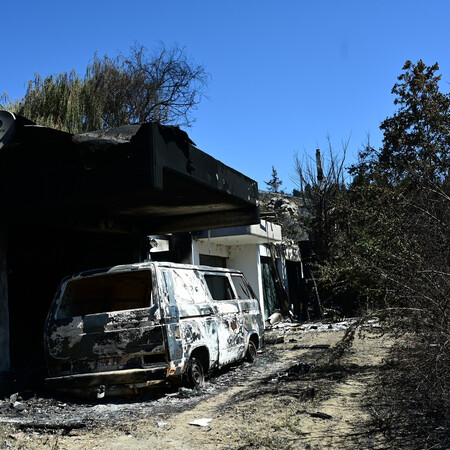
163 87
393 215
392 243
274 184
416 141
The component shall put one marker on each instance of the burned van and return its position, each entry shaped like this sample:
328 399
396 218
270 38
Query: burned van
128 327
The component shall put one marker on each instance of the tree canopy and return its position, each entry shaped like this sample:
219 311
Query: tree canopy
389 243
391 222
163 87
416 142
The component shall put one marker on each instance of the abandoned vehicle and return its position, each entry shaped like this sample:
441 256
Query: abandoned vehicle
127 327
76 202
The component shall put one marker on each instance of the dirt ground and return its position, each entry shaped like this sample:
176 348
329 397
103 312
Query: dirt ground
277 402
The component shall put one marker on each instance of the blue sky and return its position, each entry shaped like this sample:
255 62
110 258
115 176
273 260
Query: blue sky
285 74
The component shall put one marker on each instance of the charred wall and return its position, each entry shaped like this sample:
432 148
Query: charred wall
73 203
38 258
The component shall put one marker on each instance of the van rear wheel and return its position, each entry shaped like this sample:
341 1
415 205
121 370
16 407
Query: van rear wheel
252 352
194 376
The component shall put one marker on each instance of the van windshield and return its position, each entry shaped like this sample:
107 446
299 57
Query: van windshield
106 293
243 289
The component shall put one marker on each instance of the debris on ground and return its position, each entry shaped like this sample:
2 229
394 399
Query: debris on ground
287 325
281 391
201 422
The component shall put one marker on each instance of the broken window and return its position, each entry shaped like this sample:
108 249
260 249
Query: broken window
187 285
106 293
243 289
219 287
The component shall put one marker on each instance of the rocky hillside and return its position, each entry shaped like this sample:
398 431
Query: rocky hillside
288 211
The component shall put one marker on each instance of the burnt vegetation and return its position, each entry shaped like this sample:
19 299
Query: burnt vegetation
379 230
380 235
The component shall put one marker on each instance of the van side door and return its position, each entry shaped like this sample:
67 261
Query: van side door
230 324
189 316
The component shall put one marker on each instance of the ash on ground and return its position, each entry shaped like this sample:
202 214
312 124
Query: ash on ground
44 411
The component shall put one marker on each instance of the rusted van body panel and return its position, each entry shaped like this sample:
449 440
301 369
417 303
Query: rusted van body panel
131 326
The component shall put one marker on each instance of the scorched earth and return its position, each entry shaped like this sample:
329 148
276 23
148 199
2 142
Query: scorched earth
288 398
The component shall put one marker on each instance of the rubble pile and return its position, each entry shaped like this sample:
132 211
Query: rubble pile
276 324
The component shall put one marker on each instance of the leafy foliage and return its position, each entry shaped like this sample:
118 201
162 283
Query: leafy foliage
393 223
164 87
391 240
416 139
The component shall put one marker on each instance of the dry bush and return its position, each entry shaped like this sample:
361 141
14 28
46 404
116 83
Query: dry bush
412 396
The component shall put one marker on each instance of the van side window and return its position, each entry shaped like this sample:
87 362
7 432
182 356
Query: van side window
219 287
106 293
185 286
243 289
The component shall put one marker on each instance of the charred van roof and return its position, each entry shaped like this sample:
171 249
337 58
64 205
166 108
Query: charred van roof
147 265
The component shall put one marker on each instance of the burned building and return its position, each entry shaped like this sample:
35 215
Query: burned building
77 202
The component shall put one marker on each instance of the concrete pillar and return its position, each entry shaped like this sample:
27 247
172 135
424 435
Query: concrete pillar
4 310
260 291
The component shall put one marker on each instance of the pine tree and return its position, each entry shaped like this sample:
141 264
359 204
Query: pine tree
275 183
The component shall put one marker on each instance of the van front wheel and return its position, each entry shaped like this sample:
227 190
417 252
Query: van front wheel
194 376
252 352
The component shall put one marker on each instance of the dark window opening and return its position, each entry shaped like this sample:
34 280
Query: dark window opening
213 261
269 291
106 293
219 287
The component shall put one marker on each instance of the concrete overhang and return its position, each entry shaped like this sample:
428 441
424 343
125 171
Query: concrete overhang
144 176
262 233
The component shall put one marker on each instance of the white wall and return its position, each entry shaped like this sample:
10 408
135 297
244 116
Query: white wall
205 248
246 259
241 257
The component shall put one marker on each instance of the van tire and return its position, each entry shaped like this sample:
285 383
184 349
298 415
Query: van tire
194 376
252 352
